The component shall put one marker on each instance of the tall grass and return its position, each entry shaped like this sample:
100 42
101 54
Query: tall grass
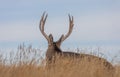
27 62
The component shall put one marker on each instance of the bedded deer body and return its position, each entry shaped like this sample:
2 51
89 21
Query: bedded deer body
54 47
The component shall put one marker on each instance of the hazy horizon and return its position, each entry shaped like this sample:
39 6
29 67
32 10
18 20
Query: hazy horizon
96 23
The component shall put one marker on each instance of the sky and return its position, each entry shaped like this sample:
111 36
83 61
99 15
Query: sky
96 23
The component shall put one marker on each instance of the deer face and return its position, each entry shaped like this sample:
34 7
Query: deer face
54 45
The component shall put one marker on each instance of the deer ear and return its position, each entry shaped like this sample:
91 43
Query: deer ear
51 37
60 39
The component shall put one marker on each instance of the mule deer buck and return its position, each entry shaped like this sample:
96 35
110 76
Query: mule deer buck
54 47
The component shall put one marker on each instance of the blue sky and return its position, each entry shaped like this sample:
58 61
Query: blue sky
97 22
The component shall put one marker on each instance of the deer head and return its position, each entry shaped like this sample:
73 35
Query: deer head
54 46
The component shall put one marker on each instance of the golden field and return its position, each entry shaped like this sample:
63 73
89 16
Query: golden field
19 66
61 69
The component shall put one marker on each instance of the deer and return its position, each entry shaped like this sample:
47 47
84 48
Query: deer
54 47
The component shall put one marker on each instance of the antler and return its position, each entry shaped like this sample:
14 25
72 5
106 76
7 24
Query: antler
42 24
71 20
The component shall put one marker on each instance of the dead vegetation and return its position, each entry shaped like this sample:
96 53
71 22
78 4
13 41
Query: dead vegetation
27 63
61 68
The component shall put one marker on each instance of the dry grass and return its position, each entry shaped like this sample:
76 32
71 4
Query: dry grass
61 68
21 67
117 71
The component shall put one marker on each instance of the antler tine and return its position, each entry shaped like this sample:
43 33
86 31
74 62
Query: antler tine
42 24
71 20
42 21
